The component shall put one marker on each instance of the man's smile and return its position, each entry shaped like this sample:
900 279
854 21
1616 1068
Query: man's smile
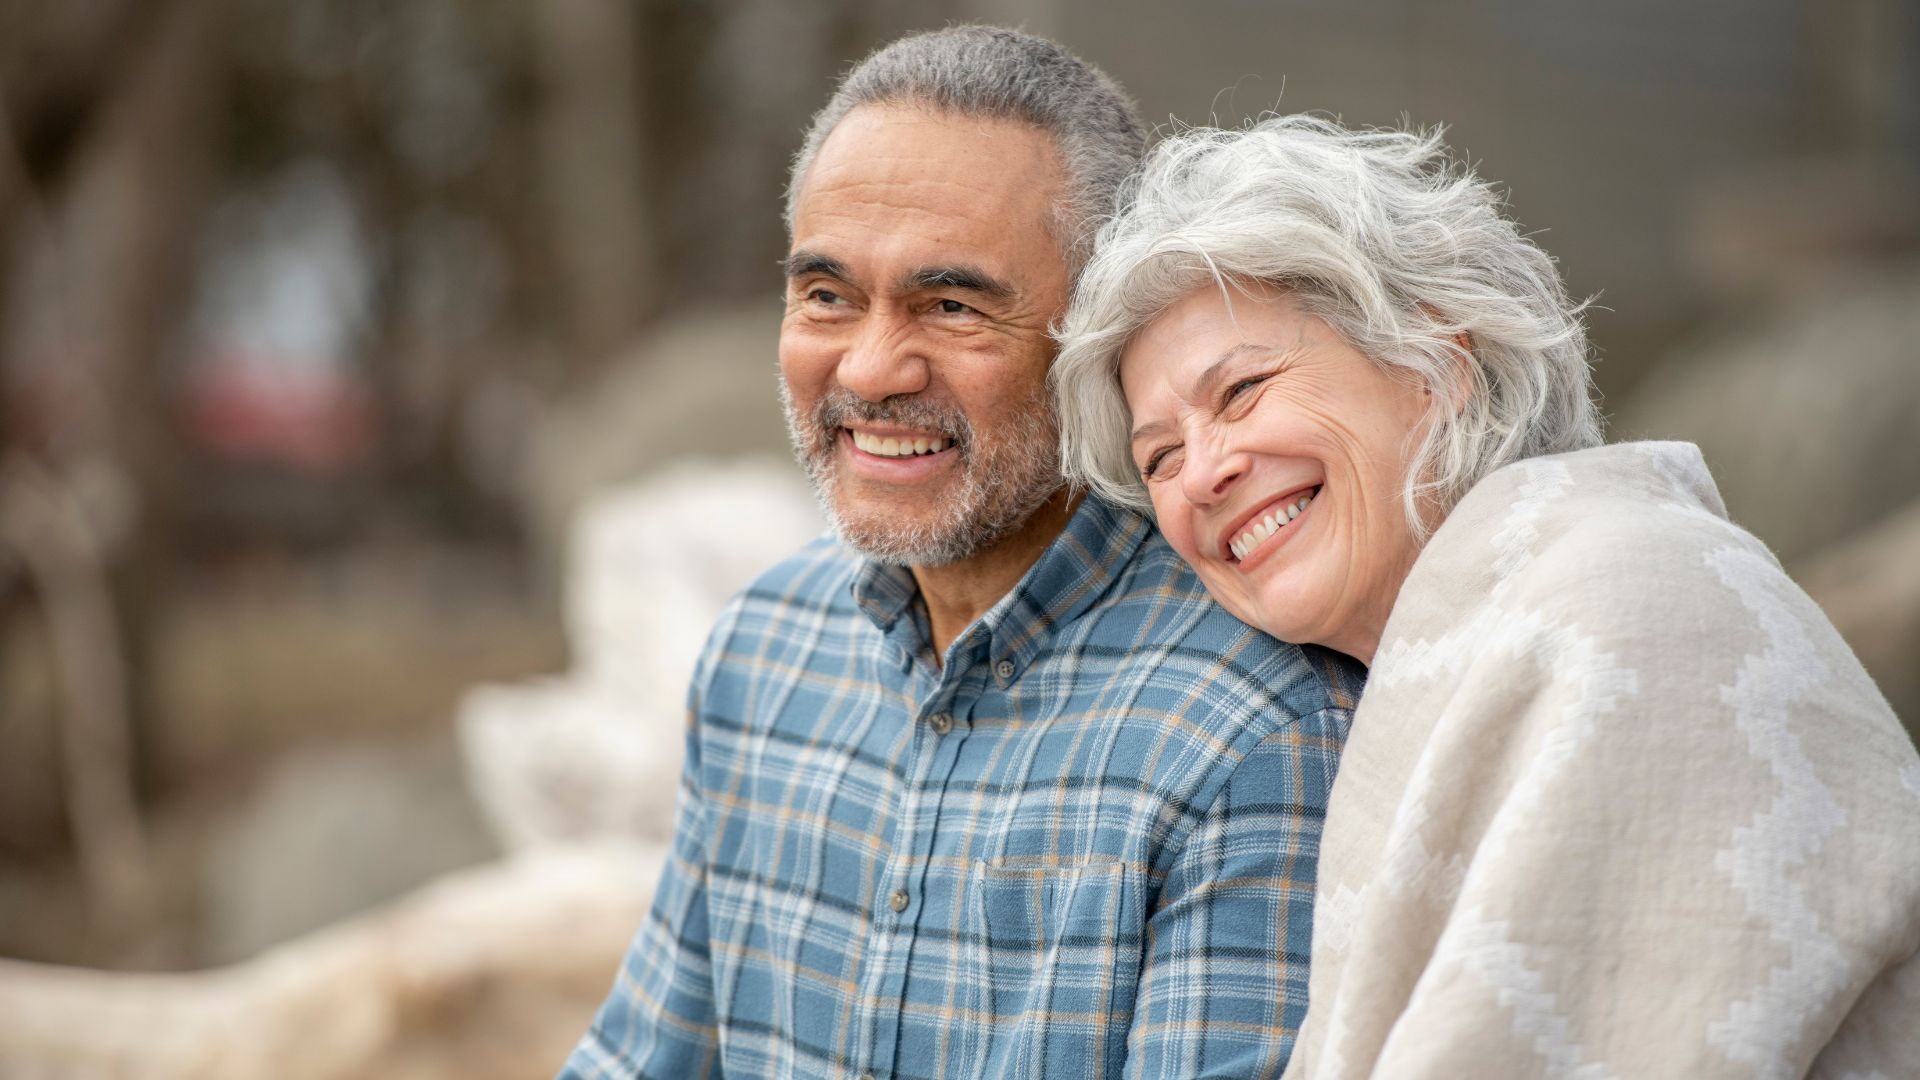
898 456
906 444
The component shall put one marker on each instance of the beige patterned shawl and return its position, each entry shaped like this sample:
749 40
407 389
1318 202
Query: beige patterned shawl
1619 802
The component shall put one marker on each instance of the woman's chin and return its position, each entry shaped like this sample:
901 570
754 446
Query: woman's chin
1268 618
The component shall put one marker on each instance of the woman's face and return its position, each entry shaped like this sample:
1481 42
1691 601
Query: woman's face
1276 456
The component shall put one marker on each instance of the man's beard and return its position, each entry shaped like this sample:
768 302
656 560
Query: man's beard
1004 475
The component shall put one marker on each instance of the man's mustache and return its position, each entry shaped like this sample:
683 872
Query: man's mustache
842 408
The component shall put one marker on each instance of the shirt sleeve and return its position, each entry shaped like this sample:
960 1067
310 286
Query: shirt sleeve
1224 985
658 1022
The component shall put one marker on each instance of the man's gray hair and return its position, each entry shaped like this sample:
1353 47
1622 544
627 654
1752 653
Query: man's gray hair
1400 250
989 72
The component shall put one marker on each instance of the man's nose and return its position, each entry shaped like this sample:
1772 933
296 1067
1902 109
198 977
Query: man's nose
883 359
1210 472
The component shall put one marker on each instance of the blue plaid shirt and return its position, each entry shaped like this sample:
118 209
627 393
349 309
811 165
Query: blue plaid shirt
1082 845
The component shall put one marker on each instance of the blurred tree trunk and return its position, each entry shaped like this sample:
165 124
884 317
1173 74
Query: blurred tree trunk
108 106
1860 58
763 110
44 527
138 190
58 68
594 173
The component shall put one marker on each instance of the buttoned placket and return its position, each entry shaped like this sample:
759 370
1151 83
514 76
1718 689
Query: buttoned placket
933 751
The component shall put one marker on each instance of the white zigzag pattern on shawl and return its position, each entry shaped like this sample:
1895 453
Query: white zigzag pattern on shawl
1762 1029
1502 965
1660 457
1411 868
1577 660
1547 482
1401 660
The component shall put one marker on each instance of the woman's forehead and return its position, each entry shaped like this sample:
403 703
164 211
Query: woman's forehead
1197 340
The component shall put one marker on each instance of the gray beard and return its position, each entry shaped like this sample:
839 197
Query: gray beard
1004 477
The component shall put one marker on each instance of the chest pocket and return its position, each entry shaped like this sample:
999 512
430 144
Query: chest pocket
1056 957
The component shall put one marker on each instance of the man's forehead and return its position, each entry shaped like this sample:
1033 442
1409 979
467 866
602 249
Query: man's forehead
904 135
910 188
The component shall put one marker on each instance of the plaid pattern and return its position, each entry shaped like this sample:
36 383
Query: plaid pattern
1084 845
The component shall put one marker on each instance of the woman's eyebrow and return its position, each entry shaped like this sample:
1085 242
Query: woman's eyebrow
1146 430
1211 377
1203 386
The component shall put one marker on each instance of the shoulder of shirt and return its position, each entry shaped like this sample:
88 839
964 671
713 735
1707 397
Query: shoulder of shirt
1159 602
818 575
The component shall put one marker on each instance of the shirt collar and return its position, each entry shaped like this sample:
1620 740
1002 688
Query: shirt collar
1073 572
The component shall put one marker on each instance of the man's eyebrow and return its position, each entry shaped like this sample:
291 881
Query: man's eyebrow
802 263
1203 386
966 278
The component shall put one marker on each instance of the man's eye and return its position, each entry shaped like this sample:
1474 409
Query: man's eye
953 307
823 296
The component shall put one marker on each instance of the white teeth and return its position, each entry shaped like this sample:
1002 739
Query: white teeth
1259 532
897 447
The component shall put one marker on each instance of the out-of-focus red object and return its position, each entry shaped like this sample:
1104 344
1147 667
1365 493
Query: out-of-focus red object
313 419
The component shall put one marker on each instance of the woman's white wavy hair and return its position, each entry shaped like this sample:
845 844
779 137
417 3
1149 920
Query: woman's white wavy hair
1398 248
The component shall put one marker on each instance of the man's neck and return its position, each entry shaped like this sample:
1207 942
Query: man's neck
959 593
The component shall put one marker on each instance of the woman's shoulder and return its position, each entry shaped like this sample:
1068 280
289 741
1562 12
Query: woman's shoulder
1616 528
1623 555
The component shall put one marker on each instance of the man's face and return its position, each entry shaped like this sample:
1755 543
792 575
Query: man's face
921 281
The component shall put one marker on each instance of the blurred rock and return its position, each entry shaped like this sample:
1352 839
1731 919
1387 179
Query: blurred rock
1869 586
705 383
489 973
651 565
1769 226
331 832
1805 410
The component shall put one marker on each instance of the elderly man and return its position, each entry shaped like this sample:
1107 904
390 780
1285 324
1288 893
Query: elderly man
986 786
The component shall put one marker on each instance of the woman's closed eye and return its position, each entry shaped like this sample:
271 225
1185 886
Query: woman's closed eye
1239 388
1160 463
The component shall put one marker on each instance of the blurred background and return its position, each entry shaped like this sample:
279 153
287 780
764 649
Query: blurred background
371 374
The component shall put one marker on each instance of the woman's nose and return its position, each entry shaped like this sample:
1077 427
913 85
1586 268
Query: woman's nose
1211 472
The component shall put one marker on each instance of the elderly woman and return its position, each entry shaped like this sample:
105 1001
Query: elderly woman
1618 801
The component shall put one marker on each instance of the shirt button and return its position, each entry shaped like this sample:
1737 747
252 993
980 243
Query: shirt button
898 901
1004 669
942 723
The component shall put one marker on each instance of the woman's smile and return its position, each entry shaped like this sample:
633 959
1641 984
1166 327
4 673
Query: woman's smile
1263 531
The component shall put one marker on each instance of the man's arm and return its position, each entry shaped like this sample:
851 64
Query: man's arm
1224 988
658 1023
